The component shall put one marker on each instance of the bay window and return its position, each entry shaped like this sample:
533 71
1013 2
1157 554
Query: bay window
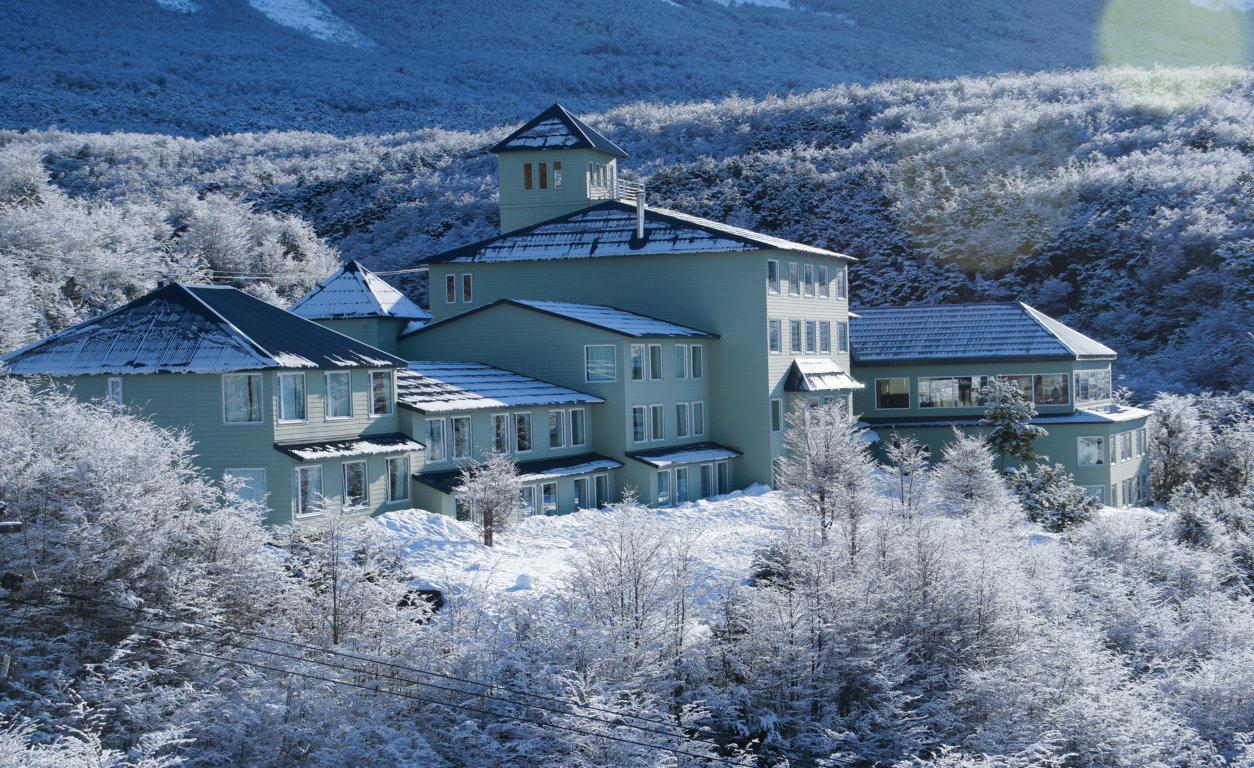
1092 386
1051 388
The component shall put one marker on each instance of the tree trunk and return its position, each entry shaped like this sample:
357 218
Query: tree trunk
487 528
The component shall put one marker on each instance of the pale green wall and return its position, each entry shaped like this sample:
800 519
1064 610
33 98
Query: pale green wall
521 207
378 332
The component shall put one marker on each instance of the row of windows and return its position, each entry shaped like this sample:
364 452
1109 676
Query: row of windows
1133 490
777 408
646 362
809 280
1097 451
591 492
467 289
451 438
809 336
648 422
539 176
675 486
308 497
243 399
968 391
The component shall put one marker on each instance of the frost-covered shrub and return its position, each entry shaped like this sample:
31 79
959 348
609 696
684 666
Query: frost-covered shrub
1050 496
965 478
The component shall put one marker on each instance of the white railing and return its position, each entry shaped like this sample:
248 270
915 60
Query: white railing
614 188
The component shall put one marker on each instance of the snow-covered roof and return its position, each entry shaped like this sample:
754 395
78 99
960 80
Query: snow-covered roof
817 374
608 229
692 453
556 128
445 386
966 332
1113 414
336 449
354 291
193 329
612 319
530 471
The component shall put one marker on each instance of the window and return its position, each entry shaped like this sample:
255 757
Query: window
601 484
681 361
582 498
526 175
339 399
1024 383
252 484
772 275
811 336
951 392
637 424
308 490
698 361
698 419
578 429
663 487
557 174
557 429
825 336
450 289
1125 446
381 398
1129 494
355 484
1051 388
1114 494
500 433
774 343
548 496
435 440
655 361
291 397
522 432
794 335
681 419
825 286
113 389
777 415
657 427
1092 386
681 484
794 279
1096 491
637 362
707 480
892 393
1092 451
842 336
1141 442
842 283
461 437
808 271
527 500
598 363
467 288
398 478
544 176
724 477
241 398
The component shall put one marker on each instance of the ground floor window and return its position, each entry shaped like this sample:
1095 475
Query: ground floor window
724 477
892 393
114 389
681 484
398 479
252 483
527 501
583 499
664 487
355 483
1129 491
308 490
707 480
548 494
602 485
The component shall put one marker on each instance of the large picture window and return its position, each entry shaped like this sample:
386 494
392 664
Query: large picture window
951 392
1092 386
1051 388
241 398
599 363
381 398
892 393
1092 451
291 397
339 399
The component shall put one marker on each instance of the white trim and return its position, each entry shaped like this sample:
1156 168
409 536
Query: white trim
391 373
304 386
825 325
653 428
261 399
776 290
387 479
670 488
648 363
470 437
796 264
450 280
365 481
692 418
794 340
686 422
695 351
426 436
561 428
512 430
682 354
570 427
557 500
876 393
595 500
586 380
823 281
1105 451
326 395
644 424
779 337
811 325
463 284
296 496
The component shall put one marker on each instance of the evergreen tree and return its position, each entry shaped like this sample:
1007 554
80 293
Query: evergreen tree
1010 412
1050 496
965 479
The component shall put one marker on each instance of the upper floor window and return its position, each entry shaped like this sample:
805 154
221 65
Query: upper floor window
113 389
557 174
468 292
808 270
774 343
435 439
1092 386
842 283
825 286
637 362
381 398
777 415
544 176
794 335
598 363
557 429
638 424
522 432
578 427
657 425
1051 388
842 336
461 437
526 175
339 396
772 275
1092 451
825 336
241 398
291 397
698 361
892 393
811 336
500 433
698 419
681 420
450 289
794 279
681 361
655 361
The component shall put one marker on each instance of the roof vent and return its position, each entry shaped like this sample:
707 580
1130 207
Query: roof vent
640 213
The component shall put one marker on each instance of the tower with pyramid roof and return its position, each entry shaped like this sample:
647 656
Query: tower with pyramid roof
358 303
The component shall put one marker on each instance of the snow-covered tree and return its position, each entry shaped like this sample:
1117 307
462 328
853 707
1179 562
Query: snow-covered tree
965 478
1050 496
1178 442
906 476
1009 415
489 492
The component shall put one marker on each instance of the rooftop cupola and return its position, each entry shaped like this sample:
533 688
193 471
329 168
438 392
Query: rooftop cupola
553 165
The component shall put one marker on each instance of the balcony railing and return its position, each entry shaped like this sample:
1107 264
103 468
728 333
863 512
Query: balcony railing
614 188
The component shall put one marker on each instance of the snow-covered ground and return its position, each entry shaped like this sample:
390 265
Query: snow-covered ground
536 553
312 18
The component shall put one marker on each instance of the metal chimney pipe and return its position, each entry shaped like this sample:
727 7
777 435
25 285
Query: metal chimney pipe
640 214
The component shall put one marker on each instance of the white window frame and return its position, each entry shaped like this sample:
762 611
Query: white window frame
365 481
638 352
561 428
644 423
296 494
876 393
304 388
261 398
583 500
230 471
811 337
652 371
693 407
825 337
822 278
529 507
326 396
426 434
557 501
794 278
675 486
512 431
683 424
772 286
794 339
657 426
110 394
807 280
1104 452
696 352
570 427
842 336
681 361
670 489
452 435
495 419
391 400
467 288
614 363
725 468
702 469
387 479
596 489
777 406
778 326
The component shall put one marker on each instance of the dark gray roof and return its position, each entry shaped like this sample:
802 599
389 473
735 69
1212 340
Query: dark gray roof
1113 414
354 291
445 386
691 453
611 319
608 229
540 469
556 128
950 332
193 329
363 446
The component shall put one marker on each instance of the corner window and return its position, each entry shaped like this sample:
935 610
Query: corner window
450 289
113 389
291 397
637 424
637 362
794 279
698 361
435 440
681 419
892 393
461 436
398 479
578 427
557 429
825 286
811 337
1051 388
657 427
557 174
308 491
698 419
655 361
381 398
339 398
355 486
598 363
241 398
468 292
681 361
774 343
522 432
526 175
825 336
772 275
1092 451
842 336
1092 386
777 415
794 335
808 271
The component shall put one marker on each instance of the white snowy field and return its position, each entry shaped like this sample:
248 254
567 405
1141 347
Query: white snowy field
536 553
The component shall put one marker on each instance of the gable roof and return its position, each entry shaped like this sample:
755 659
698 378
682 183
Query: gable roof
556 128
443 386
1011 331
612 319
354 291
608 229
193 329
817 374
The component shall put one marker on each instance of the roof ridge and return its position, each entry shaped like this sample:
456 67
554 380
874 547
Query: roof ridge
229 324
1032 313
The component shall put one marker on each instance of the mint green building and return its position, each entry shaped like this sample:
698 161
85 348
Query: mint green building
609 346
